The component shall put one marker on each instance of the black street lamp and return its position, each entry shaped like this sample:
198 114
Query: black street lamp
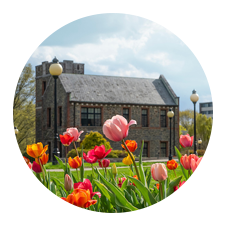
55 70
170 115
194 98
16 131
200 142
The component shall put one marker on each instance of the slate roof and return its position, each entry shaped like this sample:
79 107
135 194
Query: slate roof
117 90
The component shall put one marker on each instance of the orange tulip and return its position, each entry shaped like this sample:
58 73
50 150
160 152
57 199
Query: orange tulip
26 160
75 162
36 150
44 159
80 198
157 186
131 144
172 164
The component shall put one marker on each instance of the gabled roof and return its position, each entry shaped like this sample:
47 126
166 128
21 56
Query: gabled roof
118 90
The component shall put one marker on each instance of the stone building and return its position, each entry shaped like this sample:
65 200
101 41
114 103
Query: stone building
87 101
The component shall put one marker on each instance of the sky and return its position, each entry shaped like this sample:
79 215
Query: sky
128 46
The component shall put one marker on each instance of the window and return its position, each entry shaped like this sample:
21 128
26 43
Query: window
145 150
163 118
144 117
210 112
48 117
60 148
163 149
210 104
59 116
126 113
91 116
43 87
77 66
49 151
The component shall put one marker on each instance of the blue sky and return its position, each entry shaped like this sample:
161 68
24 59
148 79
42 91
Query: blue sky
125 45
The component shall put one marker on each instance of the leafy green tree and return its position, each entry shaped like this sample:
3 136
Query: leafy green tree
94 139
186 118
203 129
24 108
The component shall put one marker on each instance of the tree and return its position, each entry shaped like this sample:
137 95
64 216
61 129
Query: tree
203 129
24 108
186 118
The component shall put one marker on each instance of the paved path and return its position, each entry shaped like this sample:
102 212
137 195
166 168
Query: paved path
118 167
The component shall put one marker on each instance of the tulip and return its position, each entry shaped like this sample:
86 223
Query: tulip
99 152
186 160
195 163
68 184
157 186
36 150
159 172
74 132
117 128
114 170
66 138
86 185
121 180
131 145
127 160
75 162
89 157
180 184
172 164
186 140
26 160
29 165
44 159
36 167
104 163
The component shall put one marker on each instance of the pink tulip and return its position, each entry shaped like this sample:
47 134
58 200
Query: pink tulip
29 165
159 172
180 184
186 140
104 163
195 163
74 132
68 184
86 185
36 167
89 157
117 128
99 152
186 160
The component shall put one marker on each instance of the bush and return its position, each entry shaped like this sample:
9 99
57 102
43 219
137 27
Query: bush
72 153
94 139
199 152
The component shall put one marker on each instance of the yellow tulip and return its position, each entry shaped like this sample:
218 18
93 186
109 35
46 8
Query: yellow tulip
114 169
127 160
36 150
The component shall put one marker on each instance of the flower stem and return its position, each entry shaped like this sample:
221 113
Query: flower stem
131 169
78 174
138 175
43 173
188 173
75 148
93 171
175 173
161 191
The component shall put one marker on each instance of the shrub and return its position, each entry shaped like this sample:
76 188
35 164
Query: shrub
94 139
72 153
199 152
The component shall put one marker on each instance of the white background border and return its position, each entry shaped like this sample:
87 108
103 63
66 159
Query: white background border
199 24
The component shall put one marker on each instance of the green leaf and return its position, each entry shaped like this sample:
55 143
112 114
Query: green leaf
124 184
62 165
53 188
118 194
82 166
144 191
184 171
148 179
141 169
172 184
60 186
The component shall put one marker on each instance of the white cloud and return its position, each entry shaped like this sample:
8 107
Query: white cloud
159 58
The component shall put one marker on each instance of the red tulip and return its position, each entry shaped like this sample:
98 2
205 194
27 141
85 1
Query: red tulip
36 167
66 138
86 185
195 163
29 165
180 184
117 128
159 172
186 160
68 184
89 157
186 140
99 152
74 132
121 180
104 163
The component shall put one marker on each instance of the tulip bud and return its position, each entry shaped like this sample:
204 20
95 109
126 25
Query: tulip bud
68 185
114 169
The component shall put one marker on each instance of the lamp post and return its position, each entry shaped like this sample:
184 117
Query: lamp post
199 141
194 98
170 115
16 131
55 70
